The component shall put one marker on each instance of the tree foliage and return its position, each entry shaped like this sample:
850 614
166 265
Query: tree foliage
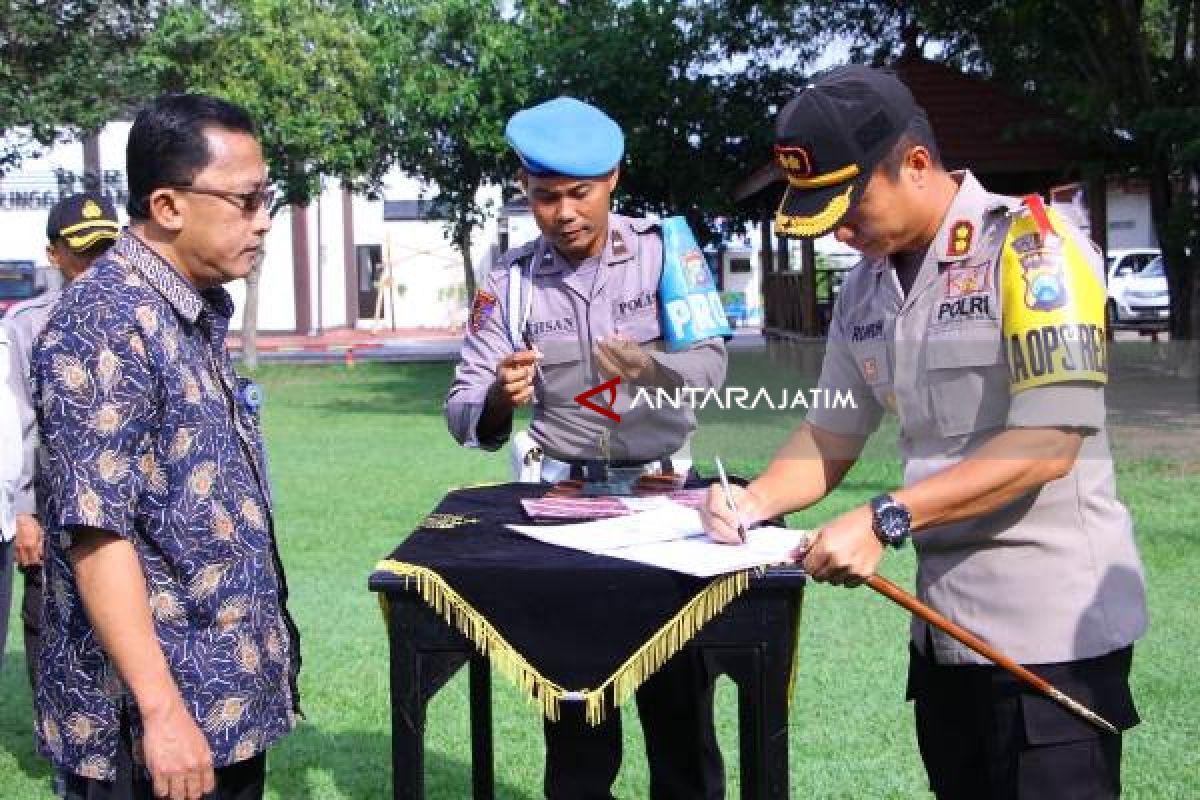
302 71
66 66
1126 71
452 72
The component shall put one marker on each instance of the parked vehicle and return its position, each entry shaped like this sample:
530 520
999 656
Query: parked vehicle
1141 301
16 283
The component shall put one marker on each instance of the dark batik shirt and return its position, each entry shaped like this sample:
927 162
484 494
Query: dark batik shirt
146 432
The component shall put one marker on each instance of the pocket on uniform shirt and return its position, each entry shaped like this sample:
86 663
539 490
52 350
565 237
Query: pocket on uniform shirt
641 328
968 385
562 370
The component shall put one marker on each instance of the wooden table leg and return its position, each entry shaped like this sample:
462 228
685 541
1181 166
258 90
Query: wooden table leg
482 772
422 660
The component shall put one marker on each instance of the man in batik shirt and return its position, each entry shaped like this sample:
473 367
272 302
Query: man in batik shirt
169 662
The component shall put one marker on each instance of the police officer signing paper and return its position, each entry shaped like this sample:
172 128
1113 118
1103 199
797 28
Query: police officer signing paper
978 320
574 308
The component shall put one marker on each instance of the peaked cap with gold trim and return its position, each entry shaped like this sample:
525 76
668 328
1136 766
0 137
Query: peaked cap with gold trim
830 137
83 221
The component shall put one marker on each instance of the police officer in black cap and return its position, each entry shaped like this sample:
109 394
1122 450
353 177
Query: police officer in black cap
79 229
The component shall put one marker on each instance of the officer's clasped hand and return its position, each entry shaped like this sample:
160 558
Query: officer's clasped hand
515 377
623 357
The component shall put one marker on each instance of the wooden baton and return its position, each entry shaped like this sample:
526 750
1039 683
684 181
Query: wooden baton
897 595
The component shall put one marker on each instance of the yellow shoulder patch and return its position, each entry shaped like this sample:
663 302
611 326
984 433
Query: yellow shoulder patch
1053 306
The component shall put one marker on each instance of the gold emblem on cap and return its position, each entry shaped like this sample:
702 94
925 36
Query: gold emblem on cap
91 210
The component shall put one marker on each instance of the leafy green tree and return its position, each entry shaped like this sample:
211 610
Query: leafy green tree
302 69
453 71
693 84
65 66
1125 71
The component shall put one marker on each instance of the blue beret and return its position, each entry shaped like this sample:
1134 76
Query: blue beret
565 137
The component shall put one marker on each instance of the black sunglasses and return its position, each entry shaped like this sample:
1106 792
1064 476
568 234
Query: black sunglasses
248 202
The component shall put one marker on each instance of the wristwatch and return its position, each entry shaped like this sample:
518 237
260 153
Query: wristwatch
890 520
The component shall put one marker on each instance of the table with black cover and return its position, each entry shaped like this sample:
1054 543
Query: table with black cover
571 619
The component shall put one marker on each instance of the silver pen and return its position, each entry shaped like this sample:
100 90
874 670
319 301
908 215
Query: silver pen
741 528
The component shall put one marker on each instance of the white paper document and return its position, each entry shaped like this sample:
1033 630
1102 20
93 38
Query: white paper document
671 537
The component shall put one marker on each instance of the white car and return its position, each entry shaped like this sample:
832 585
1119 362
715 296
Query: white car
1142 300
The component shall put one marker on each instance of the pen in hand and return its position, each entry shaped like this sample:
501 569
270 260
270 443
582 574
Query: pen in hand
741 527
527 340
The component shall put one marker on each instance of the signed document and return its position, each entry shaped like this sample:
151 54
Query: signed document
670 536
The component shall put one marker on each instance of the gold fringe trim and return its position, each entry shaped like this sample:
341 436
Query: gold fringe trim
645 661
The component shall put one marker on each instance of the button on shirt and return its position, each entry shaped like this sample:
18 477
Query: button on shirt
144 435
1056 575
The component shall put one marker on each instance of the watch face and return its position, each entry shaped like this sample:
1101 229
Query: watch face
894 522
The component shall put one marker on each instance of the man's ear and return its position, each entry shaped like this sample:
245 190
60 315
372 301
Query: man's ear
523 179
164 209
612 179
919 159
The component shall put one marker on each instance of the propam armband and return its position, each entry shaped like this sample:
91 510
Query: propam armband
1054 326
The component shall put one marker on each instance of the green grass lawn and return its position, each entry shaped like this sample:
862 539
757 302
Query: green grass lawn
359 456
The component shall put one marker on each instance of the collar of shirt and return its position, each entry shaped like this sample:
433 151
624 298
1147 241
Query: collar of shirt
622 246
961 231
210 309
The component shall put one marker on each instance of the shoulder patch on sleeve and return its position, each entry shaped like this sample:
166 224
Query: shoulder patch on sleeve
482 307
1054 326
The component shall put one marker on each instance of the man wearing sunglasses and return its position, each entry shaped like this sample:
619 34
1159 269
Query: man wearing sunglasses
169 660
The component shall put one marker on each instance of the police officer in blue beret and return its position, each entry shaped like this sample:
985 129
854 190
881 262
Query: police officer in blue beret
573 308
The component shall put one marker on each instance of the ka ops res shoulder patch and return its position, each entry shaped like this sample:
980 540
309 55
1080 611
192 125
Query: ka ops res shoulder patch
1053 304
481 308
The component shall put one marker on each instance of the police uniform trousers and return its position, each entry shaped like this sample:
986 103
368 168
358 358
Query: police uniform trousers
676 708
984 735
245 780
31 619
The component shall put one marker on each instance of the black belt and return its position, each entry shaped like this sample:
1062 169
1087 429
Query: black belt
596 471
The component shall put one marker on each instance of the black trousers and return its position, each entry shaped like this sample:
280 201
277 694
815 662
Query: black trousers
984 736
31 619
676 708
245 780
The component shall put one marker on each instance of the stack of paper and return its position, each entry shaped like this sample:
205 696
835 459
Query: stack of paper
672 537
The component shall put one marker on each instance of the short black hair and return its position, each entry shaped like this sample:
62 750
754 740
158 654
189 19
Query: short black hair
919 133
167 145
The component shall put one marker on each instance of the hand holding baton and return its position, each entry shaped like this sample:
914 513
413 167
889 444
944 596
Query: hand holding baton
903 598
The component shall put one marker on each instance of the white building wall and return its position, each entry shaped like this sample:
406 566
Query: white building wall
1129 220
276 285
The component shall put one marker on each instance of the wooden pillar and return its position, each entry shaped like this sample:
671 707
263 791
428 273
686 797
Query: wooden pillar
784 259
301 269
809 324
766 253
349 256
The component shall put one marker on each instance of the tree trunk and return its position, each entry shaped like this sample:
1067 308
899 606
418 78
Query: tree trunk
1170 204
250 316
464 247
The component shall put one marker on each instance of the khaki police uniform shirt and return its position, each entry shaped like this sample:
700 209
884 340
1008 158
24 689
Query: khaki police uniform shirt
10 450
572 309
1056 575
24 322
